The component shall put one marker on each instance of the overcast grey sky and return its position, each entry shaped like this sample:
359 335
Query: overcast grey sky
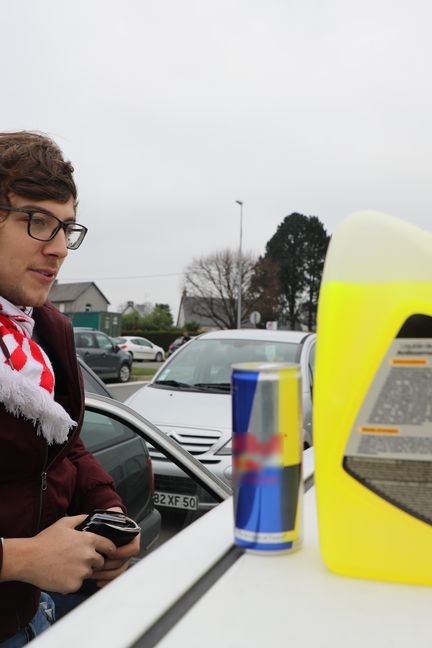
171 110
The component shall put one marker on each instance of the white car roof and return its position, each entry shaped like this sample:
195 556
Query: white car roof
133 337
257 334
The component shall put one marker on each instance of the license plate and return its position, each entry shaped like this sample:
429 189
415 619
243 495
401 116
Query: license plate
173 500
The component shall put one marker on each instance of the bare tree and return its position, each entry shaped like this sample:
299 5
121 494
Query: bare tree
213 281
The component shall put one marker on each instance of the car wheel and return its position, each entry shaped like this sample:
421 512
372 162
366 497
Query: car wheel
159 357
124 373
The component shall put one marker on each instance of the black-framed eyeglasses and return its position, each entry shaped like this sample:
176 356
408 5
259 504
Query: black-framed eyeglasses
43 226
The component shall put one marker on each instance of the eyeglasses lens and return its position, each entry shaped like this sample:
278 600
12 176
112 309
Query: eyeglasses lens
43 227
74 236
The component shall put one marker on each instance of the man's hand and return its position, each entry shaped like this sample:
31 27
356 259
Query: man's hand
117 564
59 558
120 562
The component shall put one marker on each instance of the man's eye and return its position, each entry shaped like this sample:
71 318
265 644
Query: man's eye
40 220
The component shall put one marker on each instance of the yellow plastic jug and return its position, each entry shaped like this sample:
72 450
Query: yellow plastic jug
373 401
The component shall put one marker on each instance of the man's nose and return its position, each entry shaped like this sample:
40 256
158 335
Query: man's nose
57 246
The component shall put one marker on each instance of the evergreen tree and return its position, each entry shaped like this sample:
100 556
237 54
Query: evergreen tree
298 249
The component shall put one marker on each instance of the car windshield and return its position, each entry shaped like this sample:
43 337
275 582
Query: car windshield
205 365
120 340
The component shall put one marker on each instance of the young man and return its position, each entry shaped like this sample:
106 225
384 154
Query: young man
48 480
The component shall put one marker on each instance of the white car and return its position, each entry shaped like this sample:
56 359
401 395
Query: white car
189 398
200 576
140 348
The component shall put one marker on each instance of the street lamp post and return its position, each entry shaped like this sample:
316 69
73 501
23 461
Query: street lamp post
239 296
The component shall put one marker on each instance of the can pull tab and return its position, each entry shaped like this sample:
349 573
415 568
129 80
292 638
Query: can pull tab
44 481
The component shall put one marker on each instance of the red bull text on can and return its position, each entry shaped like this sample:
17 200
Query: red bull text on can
267 456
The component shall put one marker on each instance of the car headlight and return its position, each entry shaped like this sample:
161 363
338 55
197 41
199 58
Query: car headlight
226 448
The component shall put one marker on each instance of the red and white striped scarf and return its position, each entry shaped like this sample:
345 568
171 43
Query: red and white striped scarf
27 377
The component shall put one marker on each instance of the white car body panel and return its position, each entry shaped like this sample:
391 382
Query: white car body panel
151 402
188 413
289 599
117 615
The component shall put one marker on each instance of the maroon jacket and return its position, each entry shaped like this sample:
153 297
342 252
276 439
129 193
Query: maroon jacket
75 482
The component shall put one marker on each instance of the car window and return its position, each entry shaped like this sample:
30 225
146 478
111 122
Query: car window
100 431
91 384
312 358
124 455
311 362
103 341
85 340
210 361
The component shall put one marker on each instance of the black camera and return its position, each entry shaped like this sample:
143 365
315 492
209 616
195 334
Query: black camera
116 526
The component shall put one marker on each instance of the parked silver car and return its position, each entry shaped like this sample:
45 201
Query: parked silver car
189 399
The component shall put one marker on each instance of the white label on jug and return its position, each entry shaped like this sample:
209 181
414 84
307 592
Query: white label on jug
390 446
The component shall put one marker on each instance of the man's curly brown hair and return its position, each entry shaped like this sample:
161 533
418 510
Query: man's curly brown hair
33 166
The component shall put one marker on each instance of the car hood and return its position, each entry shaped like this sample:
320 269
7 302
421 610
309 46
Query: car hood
182 408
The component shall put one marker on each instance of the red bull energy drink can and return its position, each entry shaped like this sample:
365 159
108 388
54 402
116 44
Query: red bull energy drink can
267 456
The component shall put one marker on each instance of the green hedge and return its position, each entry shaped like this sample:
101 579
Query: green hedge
161 338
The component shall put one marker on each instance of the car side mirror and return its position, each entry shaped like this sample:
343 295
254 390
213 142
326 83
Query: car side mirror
116 348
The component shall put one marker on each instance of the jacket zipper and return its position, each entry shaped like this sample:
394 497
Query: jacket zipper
44 482
43 487
73 435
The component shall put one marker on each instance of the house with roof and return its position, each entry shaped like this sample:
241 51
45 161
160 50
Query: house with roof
140 309
196 309
78 297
